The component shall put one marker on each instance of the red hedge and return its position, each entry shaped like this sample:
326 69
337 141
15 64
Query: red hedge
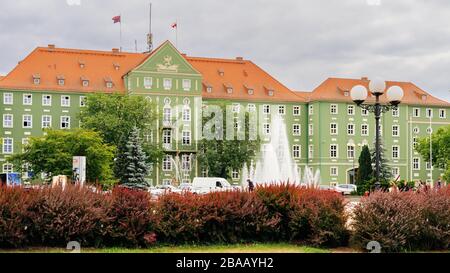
404 221
53 217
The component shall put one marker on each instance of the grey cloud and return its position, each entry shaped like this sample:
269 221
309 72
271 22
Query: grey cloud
300 42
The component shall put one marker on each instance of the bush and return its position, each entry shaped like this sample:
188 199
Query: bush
129 220
58 216
13 226
403 221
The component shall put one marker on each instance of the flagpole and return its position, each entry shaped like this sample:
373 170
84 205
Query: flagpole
120 22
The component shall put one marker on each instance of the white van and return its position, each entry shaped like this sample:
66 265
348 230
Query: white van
203 185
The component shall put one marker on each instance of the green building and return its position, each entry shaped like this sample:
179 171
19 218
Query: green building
324 129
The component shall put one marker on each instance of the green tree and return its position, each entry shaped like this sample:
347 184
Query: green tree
440 150
221 156
132 166
53 154
365 171
114 117
385 170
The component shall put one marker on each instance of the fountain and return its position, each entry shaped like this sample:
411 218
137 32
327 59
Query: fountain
275 164
181 172
310 180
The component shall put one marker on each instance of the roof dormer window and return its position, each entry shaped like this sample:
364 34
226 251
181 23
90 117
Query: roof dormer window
37 79
228 88
109 83
116 66
61 80
250 90
208 87
270 91
84 81
82 64
221 72
424 97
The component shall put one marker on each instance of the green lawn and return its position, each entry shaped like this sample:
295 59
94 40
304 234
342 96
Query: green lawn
239 248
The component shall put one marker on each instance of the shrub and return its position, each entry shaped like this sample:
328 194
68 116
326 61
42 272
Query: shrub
402 221
13 226
129 220
59 216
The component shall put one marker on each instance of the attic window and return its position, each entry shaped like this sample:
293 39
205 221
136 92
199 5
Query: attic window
245 73
229 88
109 83
84 81
346 93
82 64
116 66
208 87
221 72
424 97
61 80
249 89
270 91
36 79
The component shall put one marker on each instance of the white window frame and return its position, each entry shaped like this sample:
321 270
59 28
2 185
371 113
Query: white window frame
334 151
351 129
429 112
30 121
416 112
395 150
167 115
395 171
352 107
350 151
251 107
25 99
395 133
167 84
186 113
7 168
236 107
83 101
444 111
311 129
311 151
311 110
11 121
281 110
266 109
148 82
186 164
187 84
396 112
43 122
364 132
65 101
334 110
296 151
167 163
8 98
9 145
266 128
46 101
364 112
334 171
296 110
414 164
167 137
67 121
334 131
186 138
296 129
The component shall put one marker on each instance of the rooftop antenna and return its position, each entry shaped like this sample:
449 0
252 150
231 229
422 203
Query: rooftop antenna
150 34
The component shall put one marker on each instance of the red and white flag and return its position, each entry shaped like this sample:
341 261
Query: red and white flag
117 19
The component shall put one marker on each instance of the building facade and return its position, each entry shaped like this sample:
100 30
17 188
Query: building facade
324 128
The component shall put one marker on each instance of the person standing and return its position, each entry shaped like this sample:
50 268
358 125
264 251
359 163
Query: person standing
439 183
251 186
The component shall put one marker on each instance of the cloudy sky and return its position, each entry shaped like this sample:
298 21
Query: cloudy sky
300 42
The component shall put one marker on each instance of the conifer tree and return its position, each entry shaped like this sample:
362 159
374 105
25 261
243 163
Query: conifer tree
365 171
131 164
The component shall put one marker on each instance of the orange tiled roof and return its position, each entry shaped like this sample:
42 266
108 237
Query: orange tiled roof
242 76
336 89
72 65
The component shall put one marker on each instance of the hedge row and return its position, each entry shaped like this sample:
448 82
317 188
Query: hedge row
125 218
404 221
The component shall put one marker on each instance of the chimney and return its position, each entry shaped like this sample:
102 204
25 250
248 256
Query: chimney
364 78
239 58
115 50
184 55
51 46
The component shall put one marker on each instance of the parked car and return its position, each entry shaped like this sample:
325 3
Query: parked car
204 185
168 189
326 188
346 189
185 187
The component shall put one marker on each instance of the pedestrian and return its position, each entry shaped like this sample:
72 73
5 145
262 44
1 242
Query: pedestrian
251 186
405 186
439 183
